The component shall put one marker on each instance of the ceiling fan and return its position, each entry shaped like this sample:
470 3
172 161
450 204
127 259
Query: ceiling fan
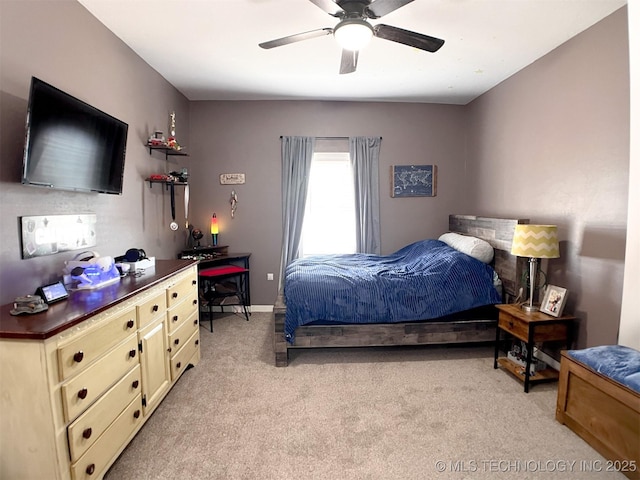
353 31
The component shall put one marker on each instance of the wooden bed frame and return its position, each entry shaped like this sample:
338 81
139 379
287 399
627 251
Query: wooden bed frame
497 231
603 412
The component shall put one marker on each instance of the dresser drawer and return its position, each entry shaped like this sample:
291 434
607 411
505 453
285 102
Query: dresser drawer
179 337
78 354
98 457
180 361
91 424
178 314
149 310
82 390
182 289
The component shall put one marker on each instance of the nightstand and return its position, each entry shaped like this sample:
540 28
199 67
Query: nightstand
531 328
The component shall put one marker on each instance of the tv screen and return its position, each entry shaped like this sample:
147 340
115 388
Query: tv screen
71 145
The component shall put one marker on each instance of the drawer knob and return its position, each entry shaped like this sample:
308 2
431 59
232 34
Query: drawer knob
132 353
175 318
155 308
176 341
130 324
82 393
195 302
91 469
197 342
136 414
178 365
195 322
174 295
511 323
78 356
169 350
193 282
135 384
87 433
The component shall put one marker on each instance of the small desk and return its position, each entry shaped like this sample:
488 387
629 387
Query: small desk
212 261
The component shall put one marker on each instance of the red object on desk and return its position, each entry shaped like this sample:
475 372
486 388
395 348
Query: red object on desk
221 270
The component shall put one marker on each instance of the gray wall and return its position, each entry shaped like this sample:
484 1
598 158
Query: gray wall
552 143
557 131
244 137
61 43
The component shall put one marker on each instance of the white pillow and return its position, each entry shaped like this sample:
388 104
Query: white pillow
473 246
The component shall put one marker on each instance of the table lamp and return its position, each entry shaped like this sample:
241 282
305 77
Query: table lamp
214 230
535 241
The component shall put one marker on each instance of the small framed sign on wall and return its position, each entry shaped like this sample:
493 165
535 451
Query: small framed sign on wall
50 234
414 180
232 179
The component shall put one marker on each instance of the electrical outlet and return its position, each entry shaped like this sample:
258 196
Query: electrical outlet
269 276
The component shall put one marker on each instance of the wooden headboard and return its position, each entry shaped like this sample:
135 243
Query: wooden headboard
499 233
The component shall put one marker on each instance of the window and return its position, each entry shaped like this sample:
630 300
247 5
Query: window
329 219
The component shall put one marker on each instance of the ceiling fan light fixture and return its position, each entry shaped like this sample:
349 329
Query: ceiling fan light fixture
353 33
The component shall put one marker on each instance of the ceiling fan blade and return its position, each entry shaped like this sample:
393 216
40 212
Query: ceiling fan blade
406 37
329 6
349 61
379 8
298 37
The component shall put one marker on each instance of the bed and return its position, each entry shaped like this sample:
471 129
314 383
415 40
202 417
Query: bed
468 326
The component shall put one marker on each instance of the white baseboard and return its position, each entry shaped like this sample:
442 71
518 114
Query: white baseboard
552 362
262 308
238 309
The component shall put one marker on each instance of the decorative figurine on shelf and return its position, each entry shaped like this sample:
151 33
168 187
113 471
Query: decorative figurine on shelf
197 235
234 203
156 140
181 176
171 141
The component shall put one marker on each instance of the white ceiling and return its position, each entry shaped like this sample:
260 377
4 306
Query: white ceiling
208 49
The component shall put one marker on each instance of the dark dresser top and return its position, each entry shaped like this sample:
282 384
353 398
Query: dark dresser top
82 304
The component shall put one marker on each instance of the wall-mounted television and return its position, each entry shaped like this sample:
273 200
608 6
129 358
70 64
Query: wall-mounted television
71 145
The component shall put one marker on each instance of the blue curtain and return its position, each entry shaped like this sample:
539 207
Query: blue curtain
365 153
297 153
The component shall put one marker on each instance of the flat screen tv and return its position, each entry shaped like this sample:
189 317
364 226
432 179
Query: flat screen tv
71 145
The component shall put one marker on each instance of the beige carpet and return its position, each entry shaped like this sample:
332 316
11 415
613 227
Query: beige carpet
384 413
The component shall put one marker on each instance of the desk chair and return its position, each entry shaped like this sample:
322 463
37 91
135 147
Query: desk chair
220 284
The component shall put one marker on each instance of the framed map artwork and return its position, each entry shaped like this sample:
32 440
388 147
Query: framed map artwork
413 180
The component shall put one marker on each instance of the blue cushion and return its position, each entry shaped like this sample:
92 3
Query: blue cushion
617 362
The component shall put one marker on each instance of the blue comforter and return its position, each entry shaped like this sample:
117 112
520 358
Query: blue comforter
424 280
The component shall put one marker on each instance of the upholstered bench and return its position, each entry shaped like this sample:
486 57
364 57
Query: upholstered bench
599 399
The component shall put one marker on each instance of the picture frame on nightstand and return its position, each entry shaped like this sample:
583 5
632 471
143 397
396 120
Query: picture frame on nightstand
554 300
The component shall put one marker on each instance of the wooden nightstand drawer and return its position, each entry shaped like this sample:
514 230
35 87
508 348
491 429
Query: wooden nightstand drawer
542 333
516 327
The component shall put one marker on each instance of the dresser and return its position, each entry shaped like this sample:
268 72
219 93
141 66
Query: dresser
79 380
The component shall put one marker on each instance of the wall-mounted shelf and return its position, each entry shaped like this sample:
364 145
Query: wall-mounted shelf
166 183
168 152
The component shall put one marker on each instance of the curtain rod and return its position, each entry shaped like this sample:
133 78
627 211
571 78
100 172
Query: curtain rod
331 138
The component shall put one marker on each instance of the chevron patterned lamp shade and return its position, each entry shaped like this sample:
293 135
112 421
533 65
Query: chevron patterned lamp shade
535 241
